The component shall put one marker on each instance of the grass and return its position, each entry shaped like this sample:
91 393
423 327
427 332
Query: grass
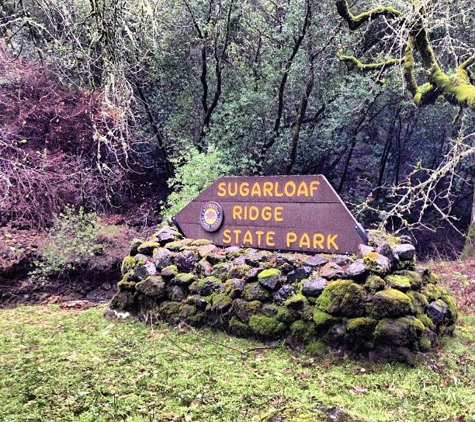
65 365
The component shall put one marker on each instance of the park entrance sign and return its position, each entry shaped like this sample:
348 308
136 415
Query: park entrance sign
287 213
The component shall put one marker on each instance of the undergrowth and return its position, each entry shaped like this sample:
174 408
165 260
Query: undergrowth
59 365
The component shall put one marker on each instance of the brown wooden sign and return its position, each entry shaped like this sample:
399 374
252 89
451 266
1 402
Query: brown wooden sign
288 213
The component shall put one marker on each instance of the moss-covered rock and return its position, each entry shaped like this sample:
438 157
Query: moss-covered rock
302 332
270 278
221 271
244 309
239 328
125 284
286 315
266 326
342 298
169 272
405 331
255 291
374 283
134 245
124 300
184 279
221 301
128 263
399 282
419 302
389 303
324 321
296 302
238 271
147 248
208 285
377 263
152 286
169 309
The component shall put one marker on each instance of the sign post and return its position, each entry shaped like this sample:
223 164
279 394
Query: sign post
287 213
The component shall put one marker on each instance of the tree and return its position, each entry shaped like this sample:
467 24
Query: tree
411 28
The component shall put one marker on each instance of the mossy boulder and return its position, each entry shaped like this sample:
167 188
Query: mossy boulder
255 291
147 248
134 246
238 271
128 263
221 271
342 298
207 286
405 331
184 279
162 258
152 286
244 309
270 278
389 303
324 321
169 272
266 326
374 283
239 328
302 332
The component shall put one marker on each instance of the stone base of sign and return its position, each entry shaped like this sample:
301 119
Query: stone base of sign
378 305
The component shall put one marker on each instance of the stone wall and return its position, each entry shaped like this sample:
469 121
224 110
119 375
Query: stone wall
377 305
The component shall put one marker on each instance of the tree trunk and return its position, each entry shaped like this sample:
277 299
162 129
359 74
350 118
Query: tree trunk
469 248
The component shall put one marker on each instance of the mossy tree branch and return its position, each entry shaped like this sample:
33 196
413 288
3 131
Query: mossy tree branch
456 87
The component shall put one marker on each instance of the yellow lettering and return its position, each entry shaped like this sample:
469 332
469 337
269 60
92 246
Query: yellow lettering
270 238
247 238
318 240
313 187
277 193
236 236
256 189
267 213
230 192
331 241
291 237
227 236
304 241
267 188
278 214
303 189
259 234
253 213
222 189
244 189
290 188
237 212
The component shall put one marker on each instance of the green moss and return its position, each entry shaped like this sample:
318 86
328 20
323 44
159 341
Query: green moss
126 285
432 292
342 298
374 283
361 324
405 331
128 263
238 271
239 328
254 291
303 331
399 282
296 302
389 303
323 321
134 245
266 326
270 272
452 308
169 272
169 309
424 344
376 237
419 302
286 315
185 279
147 248
152 286
426 321
200 242
220 301
316 348
220 271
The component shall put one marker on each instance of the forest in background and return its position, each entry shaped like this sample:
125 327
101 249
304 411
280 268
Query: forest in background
134 106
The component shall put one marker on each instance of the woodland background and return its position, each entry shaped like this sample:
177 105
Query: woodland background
131 107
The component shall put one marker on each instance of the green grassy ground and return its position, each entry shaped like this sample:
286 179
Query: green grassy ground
64 365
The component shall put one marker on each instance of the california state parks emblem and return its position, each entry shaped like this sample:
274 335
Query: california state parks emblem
211 216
